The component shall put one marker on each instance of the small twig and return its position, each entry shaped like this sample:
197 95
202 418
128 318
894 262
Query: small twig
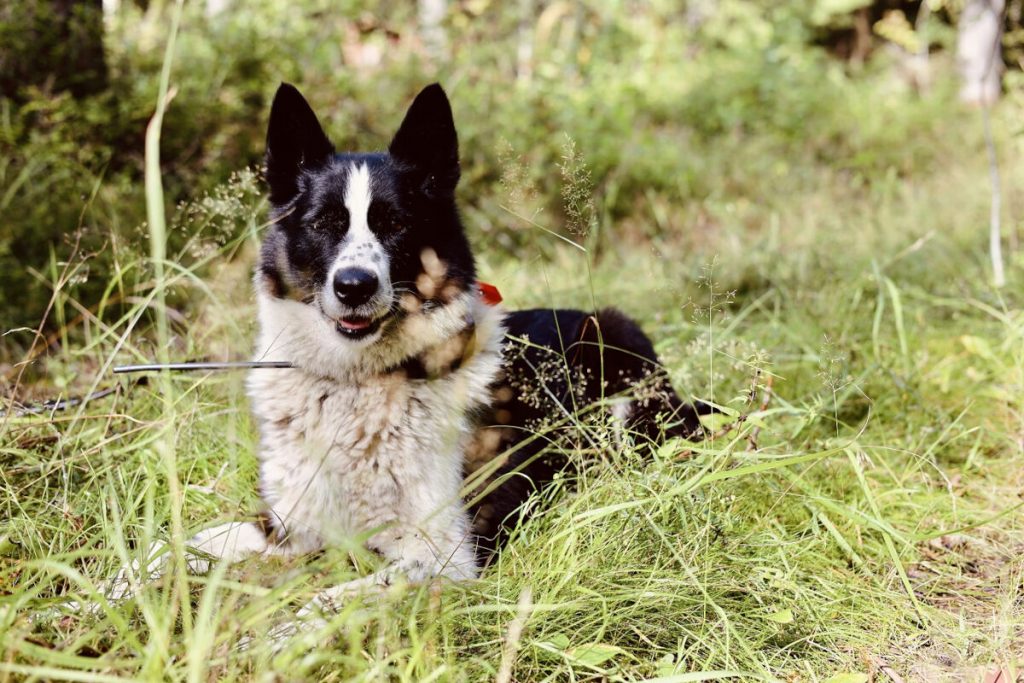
995 209
58 403
514 635
886 669
766 397
753 386
728 428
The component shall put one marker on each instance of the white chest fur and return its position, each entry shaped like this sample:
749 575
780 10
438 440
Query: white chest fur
340 459
346 453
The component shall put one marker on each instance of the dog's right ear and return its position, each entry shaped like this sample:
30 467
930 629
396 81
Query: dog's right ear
295 140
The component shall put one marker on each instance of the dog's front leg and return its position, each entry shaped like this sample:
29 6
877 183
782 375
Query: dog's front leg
229 542
441 546
438 547
415 557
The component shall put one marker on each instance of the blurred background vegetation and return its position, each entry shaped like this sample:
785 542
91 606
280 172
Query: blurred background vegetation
671 114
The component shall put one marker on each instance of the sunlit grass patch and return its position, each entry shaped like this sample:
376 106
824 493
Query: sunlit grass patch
880 451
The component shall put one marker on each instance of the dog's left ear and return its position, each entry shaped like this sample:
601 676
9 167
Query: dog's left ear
426 144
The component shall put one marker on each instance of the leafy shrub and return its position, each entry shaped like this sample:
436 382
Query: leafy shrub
669 108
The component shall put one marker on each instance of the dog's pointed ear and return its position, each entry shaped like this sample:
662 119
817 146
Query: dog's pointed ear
295 140
426 144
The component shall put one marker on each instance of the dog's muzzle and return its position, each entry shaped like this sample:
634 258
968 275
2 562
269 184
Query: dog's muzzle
357 302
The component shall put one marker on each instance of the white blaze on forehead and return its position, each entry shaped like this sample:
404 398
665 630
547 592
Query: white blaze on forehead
357 200
360 248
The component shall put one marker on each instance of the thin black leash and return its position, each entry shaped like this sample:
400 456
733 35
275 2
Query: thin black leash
52 405
187 367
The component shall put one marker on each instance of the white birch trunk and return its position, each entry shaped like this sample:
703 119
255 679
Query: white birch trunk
431 15
979 51
216 7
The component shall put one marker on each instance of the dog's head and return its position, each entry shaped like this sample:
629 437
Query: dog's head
364 241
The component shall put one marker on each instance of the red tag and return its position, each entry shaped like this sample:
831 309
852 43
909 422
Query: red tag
489 293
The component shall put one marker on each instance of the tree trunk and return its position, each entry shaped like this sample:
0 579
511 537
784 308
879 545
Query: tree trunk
431 14
979 51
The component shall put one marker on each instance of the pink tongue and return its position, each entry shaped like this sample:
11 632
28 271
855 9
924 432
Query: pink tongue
354 323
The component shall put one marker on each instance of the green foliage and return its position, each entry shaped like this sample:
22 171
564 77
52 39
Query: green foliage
671 110
803 240
888 447
58 45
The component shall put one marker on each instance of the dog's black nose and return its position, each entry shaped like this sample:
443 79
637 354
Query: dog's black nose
354 286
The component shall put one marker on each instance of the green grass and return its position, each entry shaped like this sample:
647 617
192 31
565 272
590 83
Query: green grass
873 521
860 509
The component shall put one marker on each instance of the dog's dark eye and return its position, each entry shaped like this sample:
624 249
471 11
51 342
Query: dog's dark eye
383 219
335 220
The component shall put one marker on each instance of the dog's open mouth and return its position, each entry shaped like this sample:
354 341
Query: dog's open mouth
357 327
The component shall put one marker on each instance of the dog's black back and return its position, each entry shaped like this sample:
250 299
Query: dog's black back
564 367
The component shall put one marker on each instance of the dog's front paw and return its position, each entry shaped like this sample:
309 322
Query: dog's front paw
121 586
307 629
310 624
133 575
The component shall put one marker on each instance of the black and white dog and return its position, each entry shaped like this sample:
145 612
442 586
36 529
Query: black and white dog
416 413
